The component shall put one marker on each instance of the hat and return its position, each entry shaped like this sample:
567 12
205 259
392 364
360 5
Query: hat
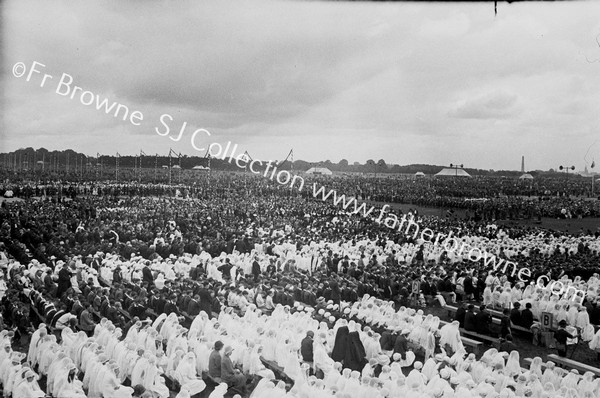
228 349
218 345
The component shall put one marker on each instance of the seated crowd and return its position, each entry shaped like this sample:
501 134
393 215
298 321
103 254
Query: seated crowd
139 295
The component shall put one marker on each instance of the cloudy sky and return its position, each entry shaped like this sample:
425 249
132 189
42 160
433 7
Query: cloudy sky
409 83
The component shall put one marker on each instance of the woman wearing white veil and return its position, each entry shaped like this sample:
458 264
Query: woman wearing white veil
263 387
536 367
586 383
198 325
202 351
513 366
173 362
571 379
450 336
67 385
322 361
112 343
219 391
255 365
62 361
187 376
157 324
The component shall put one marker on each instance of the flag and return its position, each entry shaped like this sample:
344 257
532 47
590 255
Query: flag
142 153
593 164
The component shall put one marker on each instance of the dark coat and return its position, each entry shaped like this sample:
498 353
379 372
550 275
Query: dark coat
306 349
341 344
483 320
526 318
355 357
460 316
470 321
401 346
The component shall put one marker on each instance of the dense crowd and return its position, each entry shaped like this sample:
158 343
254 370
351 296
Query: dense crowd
486 197
101 258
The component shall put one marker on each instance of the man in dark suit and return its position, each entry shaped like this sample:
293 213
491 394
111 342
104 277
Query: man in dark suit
483 320
460 314
86 321
214 361
470 320
387 340
306 347
147 276
170 306
527 316
193 307
205 299
256 269
64 280
401 344
515 314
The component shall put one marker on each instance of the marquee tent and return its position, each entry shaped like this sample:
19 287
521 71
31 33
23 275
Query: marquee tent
319 171
453 173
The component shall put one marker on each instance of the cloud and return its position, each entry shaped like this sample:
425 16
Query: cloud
493 105
407 82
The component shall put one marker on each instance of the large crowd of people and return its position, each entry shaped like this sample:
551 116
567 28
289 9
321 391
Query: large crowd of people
126 289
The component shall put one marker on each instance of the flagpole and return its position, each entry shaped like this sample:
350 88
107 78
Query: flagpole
593 176
170 166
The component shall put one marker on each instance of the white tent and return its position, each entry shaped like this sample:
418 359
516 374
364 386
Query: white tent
200 168
452 173
526 176
419 174
319 171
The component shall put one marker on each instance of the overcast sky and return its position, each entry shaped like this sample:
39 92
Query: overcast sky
409 83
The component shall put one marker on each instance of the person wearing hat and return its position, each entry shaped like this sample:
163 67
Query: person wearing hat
515 314
229 374
561 336
214 361
306 347
401 344
64 279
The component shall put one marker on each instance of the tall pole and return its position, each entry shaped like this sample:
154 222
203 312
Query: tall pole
155 167
170 166
593 176
117 167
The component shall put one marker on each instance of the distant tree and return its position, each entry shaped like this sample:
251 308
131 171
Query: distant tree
343 163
